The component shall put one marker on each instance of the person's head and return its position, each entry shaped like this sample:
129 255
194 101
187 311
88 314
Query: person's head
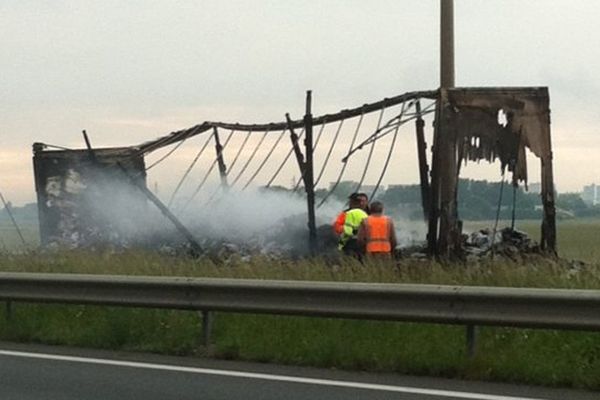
354 201
364 200
376 207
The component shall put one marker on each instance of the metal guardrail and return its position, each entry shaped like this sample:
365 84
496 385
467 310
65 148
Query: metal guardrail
463 305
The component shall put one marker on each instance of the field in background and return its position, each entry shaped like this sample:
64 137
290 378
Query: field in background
11 242
530 356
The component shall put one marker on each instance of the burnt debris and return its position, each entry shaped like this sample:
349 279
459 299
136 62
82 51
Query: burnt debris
475 124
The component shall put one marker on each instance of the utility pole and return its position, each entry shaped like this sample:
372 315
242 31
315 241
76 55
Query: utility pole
443 222
447 179
447 43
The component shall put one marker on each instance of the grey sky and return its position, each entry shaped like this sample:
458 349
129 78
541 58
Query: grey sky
130 71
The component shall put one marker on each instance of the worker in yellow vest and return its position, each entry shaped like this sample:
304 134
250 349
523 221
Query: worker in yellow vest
376 234
353 218
340 220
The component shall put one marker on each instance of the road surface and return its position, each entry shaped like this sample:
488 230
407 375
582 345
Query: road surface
30 372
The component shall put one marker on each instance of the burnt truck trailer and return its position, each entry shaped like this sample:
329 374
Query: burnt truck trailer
77 189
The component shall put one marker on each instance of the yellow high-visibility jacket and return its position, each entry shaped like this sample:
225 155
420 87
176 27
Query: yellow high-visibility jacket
353 219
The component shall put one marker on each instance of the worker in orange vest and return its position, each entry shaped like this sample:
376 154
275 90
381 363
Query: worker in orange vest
376 233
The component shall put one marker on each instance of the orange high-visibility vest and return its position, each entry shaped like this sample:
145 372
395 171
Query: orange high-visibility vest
378 234
338 225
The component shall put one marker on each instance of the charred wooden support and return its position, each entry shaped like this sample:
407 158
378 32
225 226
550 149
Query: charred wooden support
296 147
88 145
309 184
220 160
448 181
423 167
548 237
306 167
434 192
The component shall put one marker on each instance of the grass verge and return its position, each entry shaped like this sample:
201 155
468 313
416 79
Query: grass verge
529 356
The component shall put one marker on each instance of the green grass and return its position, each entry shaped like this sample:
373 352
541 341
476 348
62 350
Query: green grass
514 355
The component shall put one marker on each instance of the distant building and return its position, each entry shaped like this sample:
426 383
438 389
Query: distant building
591 194
343 184
368 189
400 187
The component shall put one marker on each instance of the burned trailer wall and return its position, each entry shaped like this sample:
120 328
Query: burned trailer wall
86 200
474 124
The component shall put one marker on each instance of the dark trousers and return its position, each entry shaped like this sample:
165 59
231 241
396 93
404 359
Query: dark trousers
352 249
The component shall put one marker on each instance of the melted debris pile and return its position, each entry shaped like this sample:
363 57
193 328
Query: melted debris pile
505 243
509 243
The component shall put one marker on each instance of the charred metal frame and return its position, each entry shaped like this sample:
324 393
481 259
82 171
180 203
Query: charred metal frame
466 127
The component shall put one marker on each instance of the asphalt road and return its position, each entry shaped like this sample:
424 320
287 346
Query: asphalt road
42 372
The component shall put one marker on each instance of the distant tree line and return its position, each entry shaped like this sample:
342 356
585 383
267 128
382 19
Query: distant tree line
480 199
477 200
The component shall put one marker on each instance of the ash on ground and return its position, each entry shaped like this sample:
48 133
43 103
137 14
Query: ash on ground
286 239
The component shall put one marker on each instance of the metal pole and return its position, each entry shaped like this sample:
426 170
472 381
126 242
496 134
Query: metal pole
9 310
207 322
471 332
444 171
309 173
447 43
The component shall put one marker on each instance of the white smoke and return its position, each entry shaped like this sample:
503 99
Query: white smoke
245 214
259 218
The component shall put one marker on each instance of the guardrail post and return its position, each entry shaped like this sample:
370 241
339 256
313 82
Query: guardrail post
9 310
471 334
207 322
